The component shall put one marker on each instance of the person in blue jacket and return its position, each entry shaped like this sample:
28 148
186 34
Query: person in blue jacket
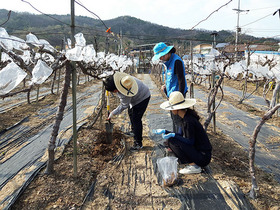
175 79
192 147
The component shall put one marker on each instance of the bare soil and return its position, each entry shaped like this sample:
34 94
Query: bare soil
62 191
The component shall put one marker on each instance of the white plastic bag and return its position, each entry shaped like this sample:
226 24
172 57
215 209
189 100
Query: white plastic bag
167 167
41 72
10 77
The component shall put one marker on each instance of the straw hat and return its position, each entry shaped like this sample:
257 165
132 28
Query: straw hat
177 101
160 49
125 84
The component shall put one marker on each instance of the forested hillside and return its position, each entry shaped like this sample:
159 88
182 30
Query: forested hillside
56 28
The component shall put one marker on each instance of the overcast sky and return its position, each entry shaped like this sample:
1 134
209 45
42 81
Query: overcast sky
184 14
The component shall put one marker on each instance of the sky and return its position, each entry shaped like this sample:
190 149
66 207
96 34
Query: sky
255 16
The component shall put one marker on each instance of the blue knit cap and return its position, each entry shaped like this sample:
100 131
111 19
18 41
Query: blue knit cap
160 49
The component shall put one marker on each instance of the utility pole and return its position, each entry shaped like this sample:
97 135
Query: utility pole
238 29
121 44
214 34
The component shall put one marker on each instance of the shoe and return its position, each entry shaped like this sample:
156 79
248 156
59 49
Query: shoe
169 149
165 144
136 146
170 153
191 169
129 133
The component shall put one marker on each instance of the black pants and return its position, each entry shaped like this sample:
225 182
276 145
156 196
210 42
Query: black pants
188 153
135 114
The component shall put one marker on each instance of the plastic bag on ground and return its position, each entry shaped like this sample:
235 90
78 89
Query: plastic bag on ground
167 167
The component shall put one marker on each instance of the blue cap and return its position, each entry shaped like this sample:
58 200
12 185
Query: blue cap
160 49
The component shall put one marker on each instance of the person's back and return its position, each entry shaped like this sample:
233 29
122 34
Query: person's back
143 93
192 125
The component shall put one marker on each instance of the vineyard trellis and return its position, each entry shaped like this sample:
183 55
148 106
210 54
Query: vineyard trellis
36 60
38 54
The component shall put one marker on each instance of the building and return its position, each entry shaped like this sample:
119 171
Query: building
202 49
143 54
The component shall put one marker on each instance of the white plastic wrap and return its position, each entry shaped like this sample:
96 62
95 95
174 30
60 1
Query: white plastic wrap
41 72
167 167
237 68
10 77
88 53
19 44
26 57
74 54
32 39
80 51
5 39
46 44
5 57
80 40
276 72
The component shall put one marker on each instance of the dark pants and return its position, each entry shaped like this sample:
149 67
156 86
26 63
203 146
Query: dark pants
135 114
188 153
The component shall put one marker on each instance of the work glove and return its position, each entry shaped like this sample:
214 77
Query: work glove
112 113
110 116
158 131
167 136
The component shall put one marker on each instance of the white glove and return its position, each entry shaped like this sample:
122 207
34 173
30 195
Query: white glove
167 136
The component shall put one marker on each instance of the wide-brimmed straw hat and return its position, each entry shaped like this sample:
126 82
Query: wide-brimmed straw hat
161 49
177 101
125 84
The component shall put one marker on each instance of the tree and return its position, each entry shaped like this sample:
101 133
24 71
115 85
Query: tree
59 118
252 150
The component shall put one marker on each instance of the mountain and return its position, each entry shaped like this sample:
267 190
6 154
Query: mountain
134 31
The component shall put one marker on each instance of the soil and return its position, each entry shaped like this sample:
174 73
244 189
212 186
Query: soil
62 190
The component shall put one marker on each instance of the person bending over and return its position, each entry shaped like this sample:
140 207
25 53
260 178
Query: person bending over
134 95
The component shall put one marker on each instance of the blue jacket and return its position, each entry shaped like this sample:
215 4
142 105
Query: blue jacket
171 81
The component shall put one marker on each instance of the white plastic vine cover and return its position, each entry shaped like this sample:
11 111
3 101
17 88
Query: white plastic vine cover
10 77
5 40
79 52
80 40
19 44
88 53
41 72
74 54
32 39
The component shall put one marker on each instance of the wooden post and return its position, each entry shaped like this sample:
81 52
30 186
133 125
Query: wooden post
213 84
192 74
214 105
74 91
37 95
58 81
